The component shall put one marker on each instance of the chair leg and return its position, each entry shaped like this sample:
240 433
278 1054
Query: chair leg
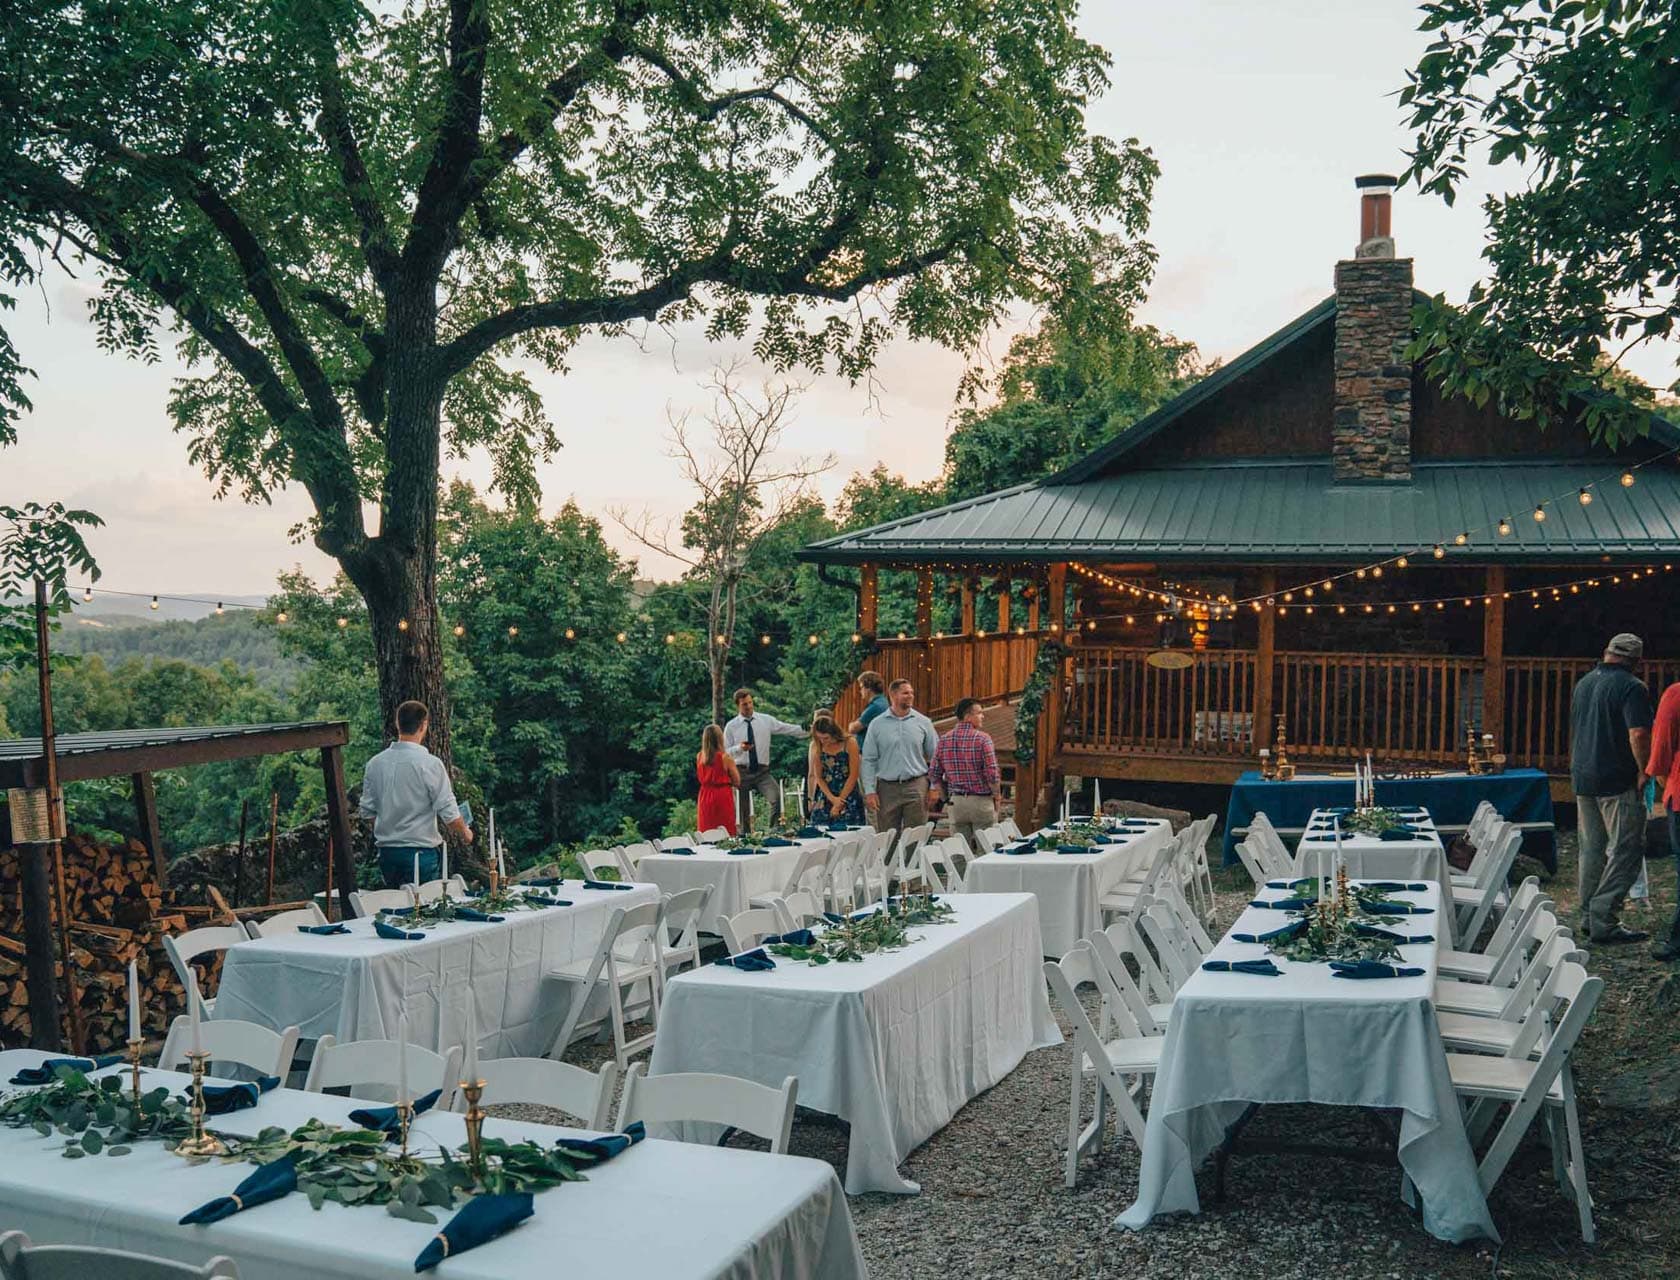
1577 1162
1072 1171
615 1001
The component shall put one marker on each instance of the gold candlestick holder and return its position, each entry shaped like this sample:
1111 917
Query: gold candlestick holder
1283 770
495 882
405 1117
474 1090
201 1142
134 1069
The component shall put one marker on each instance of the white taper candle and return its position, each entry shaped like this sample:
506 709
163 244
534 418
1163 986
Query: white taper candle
402 1059
193 1003
470 1070
133 1000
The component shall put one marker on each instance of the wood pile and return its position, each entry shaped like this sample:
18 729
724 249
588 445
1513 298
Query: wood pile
117 914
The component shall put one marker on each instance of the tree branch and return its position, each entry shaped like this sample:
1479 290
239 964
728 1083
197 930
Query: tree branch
333 125
442 197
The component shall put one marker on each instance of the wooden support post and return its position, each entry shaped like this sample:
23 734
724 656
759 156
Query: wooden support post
338 827
868 615
146 814
1057 602
39 976
967 624
1005 608
54 848
1265 662
1493 656
1034 614
239 858
273 842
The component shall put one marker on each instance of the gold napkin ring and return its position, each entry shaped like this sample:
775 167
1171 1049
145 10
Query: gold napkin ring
238 1203
444 1241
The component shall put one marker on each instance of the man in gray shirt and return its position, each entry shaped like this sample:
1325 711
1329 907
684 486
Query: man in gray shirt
896 754
406 792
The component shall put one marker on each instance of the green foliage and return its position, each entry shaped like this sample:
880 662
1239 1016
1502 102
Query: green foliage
1584 260
850 940
1045 673
37 543
244 637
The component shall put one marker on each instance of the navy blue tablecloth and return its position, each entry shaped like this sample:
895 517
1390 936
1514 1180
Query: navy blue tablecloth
1521 795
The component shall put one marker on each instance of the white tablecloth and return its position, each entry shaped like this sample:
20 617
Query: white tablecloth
1236 1038
1067 885
737 878
895 1043
662 1209
355 987
1369 858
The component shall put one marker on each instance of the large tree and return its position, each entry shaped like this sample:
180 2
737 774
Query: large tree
358 218
1584 259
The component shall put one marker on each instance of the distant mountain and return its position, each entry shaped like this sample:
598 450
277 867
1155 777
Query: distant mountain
238 636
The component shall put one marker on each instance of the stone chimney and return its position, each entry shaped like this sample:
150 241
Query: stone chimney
1371 416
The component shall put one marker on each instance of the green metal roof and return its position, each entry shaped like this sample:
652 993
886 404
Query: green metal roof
1274 510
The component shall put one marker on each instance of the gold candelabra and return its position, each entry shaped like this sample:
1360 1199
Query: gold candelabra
1473 757
474 1090
134 1068
200 1143
1284 770
495 882
405 1117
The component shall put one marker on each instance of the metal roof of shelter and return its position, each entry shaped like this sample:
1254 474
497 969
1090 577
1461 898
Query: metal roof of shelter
126 751
1267 511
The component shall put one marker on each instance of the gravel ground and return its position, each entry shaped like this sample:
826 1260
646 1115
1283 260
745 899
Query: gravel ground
993 1204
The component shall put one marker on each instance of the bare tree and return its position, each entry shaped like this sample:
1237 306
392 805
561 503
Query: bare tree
743 489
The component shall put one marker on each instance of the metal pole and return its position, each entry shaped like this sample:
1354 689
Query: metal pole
273 836
55 821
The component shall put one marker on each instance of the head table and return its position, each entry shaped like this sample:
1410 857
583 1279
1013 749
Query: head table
1238 1038
1423 857
895 1043
355 986
1068 886
713 1212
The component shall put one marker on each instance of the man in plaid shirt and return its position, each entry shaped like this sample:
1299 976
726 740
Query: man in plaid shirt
965 769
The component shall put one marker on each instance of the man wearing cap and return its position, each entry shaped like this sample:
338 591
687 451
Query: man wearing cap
1609 743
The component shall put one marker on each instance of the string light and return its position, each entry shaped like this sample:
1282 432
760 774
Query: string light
218 608
1586 498
856 638
621 637
1398 564
343 622
570 634
87 596
280 617
154 602
512 632
1627 479
764 639
402 623
670 637
459 630
1504 526
1460 539
1440 552
1540 514
813 638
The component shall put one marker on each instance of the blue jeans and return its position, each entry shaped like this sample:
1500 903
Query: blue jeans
1674 848
396 864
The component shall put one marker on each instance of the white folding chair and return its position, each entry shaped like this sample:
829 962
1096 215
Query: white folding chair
432 890
714 833
1528 1086
1522 1034
634 853
284 922
1483 827
746 929
21 1260
905 860
631 952
872 866
1274 856
812 856
940 871
368 902
1251 863
684 913
1112 946
1131 1053
595 861
990 839
799 909
547 1083
1507 947
228 1040
1122 898
1556 946
184 948
1475 903
842 879
679 841
711 1099
370 1069
1160 929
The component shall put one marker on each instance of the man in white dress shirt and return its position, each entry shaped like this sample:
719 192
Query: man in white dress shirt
747 739
406 792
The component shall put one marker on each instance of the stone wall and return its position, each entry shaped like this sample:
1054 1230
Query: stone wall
1371 423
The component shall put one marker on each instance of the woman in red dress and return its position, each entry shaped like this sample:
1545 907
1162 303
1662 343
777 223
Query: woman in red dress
719 777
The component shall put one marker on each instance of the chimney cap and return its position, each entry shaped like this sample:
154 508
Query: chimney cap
1376 180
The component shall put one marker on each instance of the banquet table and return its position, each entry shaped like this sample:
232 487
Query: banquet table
1523 796
355 986
1067 885
736 878
1373 858
1307 1036
720 1212
895 1043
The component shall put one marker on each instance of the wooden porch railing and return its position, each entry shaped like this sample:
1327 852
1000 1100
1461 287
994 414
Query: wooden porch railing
1537 692
1400 706
943 670
1116 701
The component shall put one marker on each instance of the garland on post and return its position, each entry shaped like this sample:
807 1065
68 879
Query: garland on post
1045 670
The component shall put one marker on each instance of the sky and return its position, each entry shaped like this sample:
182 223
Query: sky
1260 115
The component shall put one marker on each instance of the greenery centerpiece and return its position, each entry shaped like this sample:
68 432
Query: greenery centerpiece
1370 821
747 841
1075 833
95 1116
1339 927
853 938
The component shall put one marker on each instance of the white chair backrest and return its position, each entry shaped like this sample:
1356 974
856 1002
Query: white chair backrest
842 879
937 870
634 853
432 890
595 861
283 922
679 841
547 1083
684 912
904 860
368 1068
184 948
812 857
1251 862
1171 897
710 1099
1160 929
746 929
714 833
1010 829
1556 947
1105 946
1481 820
20 1260
1077 968
367 902
228 1040
796 910
632 938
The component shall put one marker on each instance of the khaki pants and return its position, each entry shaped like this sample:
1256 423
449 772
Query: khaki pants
768 807
1612 832
971 814
902 804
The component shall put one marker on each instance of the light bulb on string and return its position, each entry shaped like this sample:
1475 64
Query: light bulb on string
813 638
856 637
459 630
402 623
1439 552
1376 571
1504 526
621 637
218 608
1585 498
280 617
1459 539
1627 479
87 595
154 602
343 622
571 634
763 639
512 632
1401 563
1540 514
1359 573
670 637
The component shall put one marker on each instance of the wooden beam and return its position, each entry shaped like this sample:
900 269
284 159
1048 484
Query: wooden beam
1265 662
41 981
1057 602
869 601
150 757
967 624
1034 614
338 827
146 814
55 821
1493 656
1006 617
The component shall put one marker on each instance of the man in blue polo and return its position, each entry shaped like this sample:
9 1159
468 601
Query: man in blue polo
406 792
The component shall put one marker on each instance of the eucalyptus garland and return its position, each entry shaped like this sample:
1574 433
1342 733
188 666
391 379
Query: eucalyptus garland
1077 833
1046 668
442 910
95 1116
1330 933
851 939
1370 822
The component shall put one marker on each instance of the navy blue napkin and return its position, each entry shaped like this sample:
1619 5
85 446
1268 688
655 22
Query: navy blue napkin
681 850
604 1149
543 882
272 1181
1397 833
810 833
1119 839
1284 904
1371 969
755 961
797 938
1263 968
1312 839
747 852
47 1072
1283 931
1286 884
1388 935
480 1221
322 930
385 1119
778 842
223 1099
604 884
395 934
547 900
1075 848
1016 850
1395 909
1393 886
479 917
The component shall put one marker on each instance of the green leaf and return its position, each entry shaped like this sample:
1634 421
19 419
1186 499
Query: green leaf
92 1143
74 1153
413 1213
118 1150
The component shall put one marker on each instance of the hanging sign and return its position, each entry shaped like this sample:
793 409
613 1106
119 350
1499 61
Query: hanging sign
1170 659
